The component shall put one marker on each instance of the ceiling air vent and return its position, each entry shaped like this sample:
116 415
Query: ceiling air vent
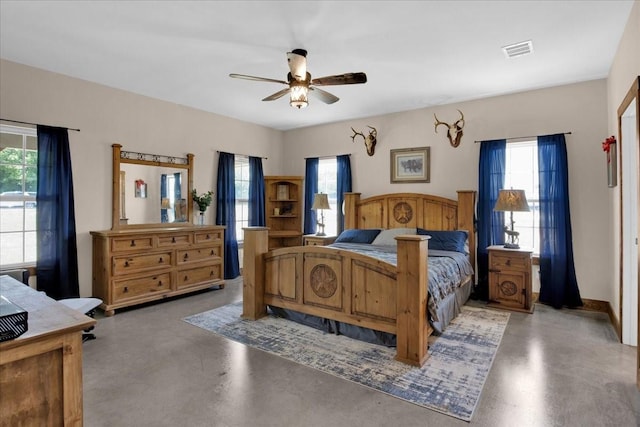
518 49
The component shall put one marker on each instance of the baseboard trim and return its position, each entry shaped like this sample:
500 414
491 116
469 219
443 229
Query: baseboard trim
595 305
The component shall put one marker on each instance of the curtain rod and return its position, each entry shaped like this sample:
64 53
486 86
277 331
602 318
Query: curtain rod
35 124
328 157
240 154
522 137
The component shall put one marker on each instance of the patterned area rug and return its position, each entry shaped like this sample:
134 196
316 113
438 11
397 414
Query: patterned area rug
450 382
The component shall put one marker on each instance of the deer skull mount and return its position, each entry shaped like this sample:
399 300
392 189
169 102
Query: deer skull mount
454 131
369 140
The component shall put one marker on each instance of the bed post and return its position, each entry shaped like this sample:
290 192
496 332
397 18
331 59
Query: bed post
466 221
255 246
412 330
351 201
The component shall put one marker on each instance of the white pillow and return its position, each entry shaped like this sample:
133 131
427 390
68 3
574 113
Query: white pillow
387 237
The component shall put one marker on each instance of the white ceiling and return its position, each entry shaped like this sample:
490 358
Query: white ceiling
416 53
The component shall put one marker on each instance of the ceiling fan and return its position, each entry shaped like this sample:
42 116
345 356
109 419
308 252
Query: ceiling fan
300 82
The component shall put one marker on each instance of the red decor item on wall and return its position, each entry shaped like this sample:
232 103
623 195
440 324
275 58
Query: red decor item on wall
609 147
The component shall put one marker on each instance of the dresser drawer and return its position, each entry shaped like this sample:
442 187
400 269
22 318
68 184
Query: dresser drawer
137 243
136 287
135 263
498 261
194 276
211 253
209 236
174 240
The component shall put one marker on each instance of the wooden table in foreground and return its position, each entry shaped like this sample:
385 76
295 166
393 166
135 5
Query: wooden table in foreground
41 370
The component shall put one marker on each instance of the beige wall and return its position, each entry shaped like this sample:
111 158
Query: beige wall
578 108
106 116
625 68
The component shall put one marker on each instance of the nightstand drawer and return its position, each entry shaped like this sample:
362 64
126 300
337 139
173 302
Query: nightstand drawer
511 262
314 240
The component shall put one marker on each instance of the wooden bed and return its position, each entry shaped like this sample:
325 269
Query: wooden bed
353 288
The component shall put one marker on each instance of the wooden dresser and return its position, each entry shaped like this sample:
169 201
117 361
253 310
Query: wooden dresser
134 266
41 370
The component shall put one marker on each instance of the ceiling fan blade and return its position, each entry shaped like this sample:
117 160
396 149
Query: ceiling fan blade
340 79
297 60
259 79
323 95
278 94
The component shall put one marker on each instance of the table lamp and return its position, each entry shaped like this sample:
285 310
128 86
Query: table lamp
320 202
511 201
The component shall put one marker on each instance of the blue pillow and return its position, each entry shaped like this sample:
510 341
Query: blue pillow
357 236
446 240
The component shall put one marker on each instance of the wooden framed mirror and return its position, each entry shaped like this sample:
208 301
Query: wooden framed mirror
151 190
629 148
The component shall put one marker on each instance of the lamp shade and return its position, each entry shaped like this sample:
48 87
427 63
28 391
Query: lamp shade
512 201
320 201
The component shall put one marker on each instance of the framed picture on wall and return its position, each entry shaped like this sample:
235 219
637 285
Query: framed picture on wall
410 165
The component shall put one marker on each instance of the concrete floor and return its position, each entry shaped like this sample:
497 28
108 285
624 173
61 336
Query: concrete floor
149 368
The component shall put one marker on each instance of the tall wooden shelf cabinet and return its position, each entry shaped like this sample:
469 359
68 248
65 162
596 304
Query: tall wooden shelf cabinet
283 209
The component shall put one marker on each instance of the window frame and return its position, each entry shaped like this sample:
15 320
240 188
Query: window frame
241 203
326 165
532 218
28 226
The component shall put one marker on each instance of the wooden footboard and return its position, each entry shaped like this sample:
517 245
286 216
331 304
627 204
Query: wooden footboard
343 286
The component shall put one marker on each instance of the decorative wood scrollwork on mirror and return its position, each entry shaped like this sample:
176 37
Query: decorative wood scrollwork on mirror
153 188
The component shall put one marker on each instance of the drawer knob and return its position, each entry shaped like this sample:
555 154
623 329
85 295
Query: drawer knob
133 243
126 263
213 252
160 260
186 256
508 262
159 283
125 290
173 239
185 278
208 237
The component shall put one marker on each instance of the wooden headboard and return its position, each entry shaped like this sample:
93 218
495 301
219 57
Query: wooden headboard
399 210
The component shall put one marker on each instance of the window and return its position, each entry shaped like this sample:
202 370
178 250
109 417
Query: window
328 183
18 186
521 172
242 195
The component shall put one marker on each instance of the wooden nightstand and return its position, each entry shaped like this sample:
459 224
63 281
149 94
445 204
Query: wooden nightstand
313 240
510 279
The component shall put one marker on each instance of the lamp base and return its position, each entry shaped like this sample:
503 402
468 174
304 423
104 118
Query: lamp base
319 233
512 246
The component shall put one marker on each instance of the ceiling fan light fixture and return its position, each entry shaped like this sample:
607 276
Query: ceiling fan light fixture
298 97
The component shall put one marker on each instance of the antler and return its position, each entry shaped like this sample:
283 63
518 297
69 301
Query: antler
374 132
438 123
461 119
353 138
